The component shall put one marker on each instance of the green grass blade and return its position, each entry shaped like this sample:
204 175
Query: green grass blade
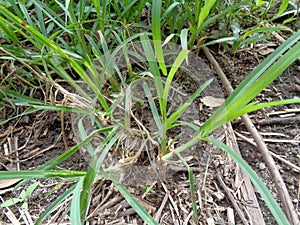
112 138
153 67
258 183
184 38
26 112
53 16
26 15
262 30
55 204
34 174
176 65
156 31
84 195
11 35
75 204
176 115
192 187
255 106
205 11
153 108
283 7
93 169
141 211
59 159
170 9
254 83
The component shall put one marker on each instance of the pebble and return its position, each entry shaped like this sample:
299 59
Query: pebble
262 166
294 132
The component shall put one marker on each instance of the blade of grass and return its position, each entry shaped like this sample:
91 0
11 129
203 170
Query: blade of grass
258 183
156 31
176 65
11 35
75 204
56 203
208 5
254 83
141 211
153 67
256 106
176 115
153 108
192 188
34 174
93 169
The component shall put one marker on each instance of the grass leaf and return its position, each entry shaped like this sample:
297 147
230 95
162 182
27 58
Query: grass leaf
260 186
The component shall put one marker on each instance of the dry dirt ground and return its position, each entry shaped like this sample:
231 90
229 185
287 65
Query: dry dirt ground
30 141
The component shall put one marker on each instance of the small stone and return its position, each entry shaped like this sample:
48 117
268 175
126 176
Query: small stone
294 132
218 196
262 166
294 151
25 119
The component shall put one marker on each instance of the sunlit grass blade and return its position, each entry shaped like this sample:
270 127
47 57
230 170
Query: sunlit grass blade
35 174
67 154
283 7
128 107
251 107
208 5
153 66
56 203
154 111
140 210
254 83
10 34
75 204
176 115
258 183
176 65
184 39
156 31
93 169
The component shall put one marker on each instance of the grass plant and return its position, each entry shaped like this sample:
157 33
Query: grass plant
71 40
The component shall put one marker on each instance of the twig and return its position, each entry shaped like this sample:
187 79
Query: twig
271 121
280 185
288 163
232 200
173 203
162 206
242 182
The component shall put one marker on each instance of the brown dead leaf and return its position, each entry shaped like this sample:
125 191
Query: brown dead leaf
8 183
266 51
211 101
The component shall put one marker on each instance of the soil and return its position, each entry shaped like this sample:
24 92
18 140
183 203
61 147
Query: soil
38 138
